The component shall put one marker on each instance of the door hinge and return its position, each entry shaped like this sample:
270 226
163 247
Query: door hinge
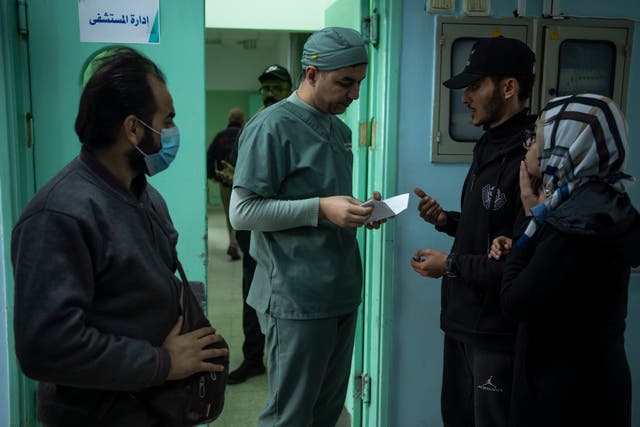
370 28
363 388
23 22
438 137
364 138
374 126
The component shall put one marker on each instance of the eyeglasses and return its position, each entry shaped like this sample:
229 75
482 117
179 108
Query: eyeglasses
276 90
529 138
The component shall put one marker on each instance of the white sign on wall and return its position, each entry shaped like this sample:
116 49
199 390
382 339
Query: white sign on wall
119 21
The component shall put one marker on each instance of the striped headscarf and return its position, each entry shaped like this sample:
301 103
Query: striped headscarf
585 139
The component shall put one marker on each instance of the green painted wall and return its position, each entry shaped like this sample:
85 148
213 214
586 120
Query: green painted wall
57 57
219 102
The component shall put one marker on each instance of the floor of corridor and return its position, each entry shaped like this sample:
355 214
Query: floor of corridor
243 402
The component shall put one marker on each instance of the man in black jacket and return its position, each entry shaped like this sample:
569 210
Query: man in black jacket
275 85
97 302
220 151
478 346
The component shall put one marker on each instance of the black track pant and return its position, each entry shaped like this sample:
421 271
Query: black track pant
476 385
253 346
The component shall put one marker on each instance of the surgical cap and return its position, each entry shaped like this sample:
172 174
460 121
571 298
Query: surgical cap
333 48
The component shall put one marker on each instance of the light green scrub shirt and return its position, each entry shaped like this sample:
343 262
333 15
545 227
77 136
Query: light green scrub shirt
291 151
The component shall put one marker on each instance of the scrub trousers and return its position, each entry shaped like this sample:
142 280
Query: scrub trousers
476 385
309 366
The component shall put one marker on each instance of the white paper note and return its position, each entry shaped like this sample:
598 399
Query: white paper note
388 207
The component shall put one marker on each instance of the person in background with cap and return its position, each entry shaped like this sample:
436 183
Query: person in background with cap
275 83
479 341
292 188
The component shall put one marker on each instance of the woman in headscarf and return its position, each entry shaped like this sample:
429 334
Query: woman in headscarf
566 279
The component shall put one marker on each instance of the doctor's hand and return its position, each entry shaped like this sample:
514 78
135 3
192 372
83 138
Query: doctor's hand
376 224
430 209
344 211
429 263
188 354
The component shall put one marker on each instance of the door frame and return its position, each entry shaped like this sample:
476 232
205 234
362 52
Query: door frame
16 188
375 134
348 13
380 244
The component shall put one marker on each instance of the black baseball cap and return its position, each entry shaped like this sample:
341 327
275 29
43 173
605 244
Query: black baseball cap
276 71
494 56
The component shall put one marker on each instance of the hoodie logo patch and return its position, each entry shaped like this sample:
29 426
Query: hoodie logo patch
500 199
490 386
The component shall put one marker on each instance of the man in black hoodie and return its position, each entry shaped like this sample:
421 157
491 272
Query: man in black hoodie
479 341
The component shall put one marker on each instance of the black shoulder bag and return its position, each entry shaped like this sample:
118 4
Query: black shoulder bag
197 399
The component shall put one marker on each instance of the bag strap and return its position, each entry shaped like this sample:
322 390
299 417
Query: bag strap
183 276
185 282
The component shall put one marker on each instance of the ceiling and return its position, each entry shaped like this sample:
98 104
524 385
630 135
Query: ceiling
249 39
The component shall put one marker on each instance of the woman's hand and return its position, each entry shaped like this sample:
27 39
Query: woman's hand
528 194
500 247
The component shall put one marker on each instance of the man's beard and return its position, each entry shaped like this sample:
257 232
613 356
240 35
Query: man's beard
495 108
269 101
136 159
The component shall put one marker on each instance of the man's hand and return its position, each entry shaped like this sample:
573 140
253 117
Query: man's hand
226 173
500 247
344 211
376 224
188 354
430 210
528 193
429 262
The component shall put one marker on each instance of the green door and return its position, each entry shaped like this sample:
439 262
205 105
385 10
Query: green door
56 59
373 123
16 188
348 13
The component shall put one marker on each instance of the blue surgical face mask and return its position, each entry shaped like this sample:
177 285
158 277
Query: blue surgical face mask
170 140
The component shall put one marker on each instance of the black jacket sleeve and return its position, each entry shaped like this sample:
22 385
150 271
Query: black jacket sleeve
478 271
211 159
536 277
484 273
451 226
54 339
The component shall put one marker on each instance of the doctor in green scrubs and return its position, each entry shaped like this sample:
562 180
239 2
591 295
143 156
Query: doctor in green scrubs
292 189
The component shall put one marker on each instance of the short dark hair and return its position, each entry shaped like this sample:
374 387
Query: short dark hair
119 87
524 81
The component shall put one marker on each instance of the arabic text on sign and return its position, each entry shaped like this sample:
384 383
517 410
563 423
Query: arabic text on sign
110 18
